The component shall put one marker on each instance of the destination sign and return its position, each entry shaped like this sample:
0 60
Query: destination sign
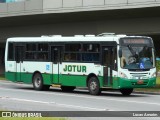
128 41
136 41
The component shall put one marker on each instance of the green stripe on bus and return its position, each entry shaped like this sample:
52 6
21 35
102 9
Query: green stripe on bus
80 80
48 79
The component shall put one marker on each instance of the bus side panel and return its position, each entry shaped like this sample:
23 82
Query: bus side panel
73 80
115 82
10 76
81 81
30 67
47 79
26 77
76 74
10 70
101 81
55 73
78 80
114 85
68 80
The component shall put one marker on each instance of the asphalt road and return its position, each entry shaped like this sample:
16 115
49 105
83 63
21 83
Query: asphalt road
22 97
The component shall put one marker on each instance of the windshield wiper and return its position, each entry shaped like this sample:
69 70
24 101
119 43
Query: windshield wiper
131 50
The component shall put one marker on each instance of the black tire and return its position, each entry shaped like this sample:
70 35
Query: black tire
94 86
126 91
38 82
67 88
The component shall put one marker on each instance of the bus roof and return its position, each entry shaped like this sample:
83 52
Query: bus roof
76 38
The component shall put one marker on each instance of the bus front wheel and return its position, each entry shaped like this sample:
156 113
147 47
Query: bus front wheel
94 86
126 91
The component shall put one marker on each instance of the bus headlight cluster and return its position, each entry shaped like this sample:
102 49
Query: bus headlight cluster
122 75
153 75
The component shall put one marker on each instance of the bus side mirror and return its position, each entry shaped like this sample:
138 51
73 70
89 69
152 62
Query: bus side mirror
120 53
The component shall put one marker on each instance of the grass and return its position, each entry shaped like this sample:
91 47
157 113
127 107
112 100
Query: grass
158 81
147 89
2 77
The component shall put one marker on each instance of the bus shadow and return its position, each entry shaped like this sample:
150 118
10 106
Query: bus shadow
110 93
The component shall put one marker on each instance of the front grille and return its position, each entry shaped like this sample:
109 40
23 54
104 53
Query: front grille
146 73
139 75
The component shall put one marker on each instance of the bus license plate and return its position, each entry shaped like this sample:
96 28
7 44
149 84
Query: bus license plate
140 82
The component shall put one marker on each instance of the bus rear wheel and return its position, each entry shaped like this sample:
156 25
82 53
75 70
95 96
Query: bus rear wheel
126 91
38 82
67 88
94 86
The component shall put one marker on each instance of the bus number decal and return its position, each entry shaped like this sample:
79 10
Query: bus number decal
47 67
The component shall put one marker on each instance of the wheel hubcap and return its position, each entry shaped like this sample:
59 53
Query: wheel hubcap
93 86
37 82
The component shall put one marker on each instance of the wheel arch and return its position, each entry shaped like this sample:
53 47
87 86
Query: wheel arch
89 76
36 73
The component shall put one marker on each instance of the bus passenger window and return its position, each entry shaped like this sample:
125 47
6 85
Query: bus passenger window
43 47
55 55
10 51
67 57
31 47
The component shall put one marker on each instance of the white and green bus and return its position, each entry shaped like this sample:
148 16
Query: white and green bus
102 62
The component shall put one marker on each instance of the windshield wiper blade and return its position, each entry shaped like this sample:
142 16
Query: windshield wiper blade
132 51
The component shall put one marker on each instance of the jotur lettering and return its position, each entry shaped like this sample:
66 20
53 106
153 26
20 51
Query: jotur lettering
74 68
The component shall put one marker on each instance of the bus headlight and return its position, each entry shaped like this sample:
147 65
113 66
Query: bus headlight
153 75
122 75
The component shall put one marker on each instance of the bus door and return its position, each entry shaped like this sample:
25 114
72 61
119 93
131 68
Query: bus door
56 57
19 56
108 61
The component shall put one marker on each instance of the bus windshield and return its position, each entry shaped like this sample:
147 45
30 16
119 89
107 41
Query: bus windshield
137 57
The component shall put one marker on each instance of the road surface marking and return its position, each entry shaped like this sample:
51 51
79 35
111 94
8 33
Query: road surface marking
54 103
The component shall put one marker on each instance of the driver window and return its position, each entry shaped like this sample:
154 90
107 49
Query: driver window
127 58
123 61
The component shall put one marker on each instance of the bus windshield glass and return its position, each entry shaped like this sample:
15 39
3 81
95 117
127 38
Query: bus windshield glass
137 57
